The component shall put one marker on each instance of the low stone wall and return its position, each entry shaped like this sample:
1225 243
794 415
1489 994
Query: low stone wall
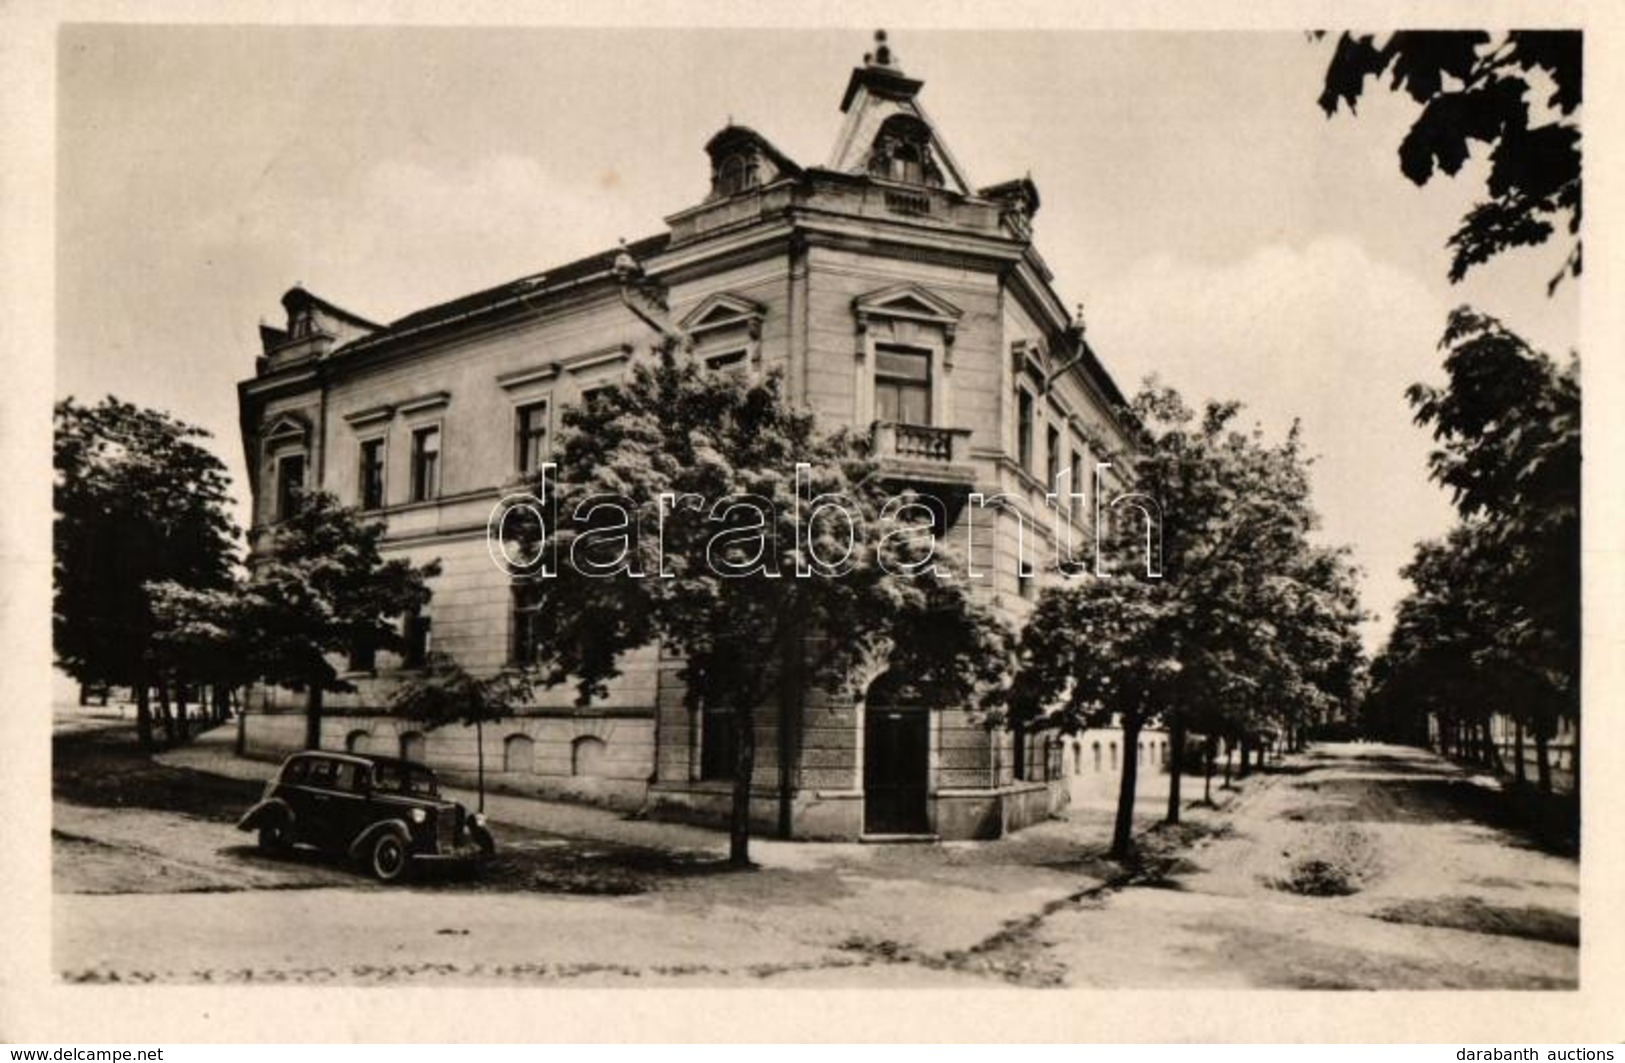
604 759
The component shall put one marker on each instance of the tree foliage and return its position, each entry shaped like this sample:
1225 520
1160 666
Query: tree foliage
318 589
140 501
1493 621
447 693
1249 627
761 593
1517 94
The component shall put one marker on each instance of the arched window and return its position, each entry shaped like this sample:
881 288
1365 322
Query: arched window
356 742
1097 756
587 756
736 174
414 747
518 753
1114 756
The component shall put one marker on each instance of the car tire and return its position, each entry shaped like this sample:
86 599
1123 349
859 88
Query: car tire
388 858
274 839
482 838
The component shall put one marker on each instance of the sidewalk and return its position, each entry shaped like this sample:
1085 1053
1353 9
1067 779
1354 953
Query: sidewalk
1085 828
215 753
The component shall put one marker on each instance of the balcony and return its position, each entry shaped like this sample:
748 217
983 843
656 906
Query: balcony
924 454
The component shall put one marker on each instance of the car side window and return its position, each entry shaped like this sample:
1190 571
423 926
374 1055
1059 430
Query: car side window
296 771
344 776
321 773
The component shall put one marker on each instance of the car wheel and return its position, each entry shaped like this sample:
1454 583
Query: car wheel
274 838
389 860
482 838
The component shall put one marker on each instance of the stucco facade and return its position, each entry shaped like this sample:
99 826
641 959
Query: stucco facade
891 294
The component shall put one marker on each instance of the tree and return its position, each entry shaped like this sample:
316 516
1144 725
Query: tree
1475 87
759 605
447 693
321 588
1493 621
1204 645
139 500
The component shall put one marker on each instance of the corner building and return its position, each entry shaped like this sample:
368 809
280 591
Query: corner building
891 293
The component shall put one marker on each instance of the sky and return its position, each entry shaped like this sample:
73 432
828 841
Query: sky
1219 230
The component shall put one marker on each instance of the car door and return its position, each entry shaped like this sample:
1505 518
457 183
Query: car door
322 803
348 807
291 789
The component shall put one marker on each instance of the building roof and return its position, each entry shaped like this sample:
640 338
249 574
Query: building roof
297 297
465 306
733 132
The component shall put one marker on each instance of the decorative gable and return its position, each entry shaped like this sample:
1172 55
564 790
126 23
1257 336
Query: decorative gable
743 159
887 133
909 302
288 428
722 311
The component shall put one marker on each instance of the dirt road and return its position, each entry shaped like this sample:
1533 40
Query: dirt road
1356 866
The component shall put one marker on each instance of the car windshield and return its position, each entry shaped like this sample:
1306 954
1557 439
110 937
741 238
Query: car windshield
405 779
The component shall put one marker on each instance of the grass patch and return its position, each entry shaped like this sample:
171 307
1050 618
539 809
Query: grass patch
1472 914
1336 863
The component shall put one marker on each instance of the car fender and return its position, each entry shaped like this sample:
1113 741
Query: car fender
358 848
266 812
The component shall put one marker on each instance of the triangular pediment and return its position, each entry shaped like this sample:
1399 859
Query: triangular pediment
288 426
722 310
907 301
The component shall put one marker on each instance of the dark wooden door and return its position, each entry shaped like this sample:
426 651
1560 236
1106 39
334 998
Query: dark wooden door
896 767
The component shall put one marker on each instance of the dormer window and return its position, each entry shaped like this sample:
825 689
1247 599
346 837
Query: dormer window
735 174
902 152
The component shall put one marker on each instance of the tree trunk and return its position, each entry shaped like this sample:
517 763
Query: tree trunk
1543 764
1207 769
183 725
1229 752
1518 771
1123 829
744 767
313 715
165 717
1246 755
791 691
479 761
1176 766
1574 757
143 713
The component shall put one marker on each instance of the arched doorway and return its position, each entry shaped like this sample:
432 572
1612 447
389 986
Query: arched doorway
896 760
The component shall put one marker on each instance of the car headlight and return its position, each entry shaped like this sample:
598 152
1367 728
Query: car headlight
419 816
478 819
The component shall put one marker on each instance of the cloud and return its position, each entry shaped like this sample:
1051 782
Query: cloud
1324 333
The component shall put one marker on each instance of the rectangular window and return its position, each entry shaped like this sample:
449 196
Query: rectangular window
717 747
1075 471
903 385
372 474
416 636
725 360
290 484
527 604
425 464
363 657
1052 457
530 437
1024 429
592 395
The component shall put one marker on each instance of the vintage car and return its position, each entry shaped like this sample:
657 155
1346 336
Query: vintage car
385 813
